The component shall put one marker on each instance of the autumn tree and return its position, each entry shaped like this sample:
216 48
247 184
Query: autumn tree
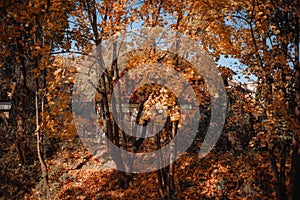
264 36
261 35
31 31
94 22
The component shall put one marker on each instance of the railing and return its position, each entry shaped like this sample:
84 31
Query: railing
5 106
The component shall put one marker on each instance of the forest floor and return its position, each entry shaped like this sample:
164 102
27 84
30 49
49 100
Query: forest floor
74 173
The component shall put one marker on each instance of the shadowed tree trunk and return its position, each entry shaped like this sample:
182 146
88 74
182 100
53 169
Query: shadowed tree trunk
21 104
295 171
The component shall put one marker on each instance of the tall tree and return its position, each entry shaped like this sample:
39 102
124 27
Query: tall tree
31 31
264 36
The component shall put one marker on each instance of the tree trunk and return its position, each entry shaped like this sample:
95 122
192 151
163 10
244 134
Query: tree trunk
39 145
277 176
295 169
19 116
295 172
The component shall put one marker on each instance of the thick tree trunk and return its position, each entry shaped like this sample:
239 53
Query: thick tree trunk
19 116
279 180
295 169
295 172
